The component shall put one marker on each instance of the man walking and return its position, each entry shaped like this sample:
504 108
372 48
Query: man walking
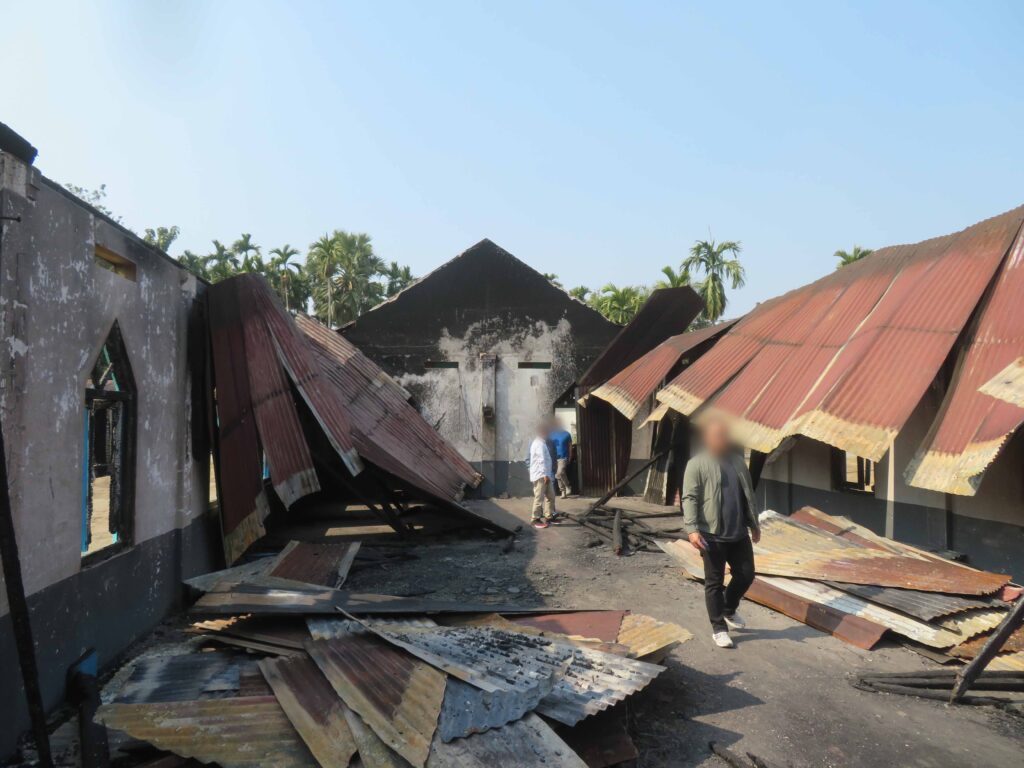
718 509
542 475
562 441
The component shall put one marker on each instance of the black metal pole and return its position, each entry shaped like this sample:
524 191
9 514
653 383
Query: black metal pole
20 619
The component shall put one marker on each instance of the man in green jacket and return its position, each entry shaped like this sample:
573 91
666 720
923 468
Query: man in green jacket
718 511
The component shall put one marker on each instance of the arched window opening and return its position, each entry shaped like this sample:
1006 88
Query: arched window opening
108 482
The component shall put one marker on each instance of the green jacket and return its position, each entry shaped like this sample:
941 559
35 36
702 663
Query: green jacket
702 494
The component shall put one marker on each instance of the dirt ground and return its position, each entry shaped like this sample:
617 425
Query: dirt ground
783 693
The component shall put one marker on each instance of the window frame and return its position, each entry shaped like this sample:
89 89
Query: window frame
866 473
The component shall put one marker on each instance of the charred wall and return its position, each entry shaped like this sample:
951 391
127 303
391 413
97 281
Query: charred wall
58 308
485 345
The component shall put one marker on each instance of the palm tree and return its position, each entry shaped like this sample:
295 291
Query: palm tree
672 279
552 278
252 261
398 277
620 305
280 269
225 263
713 259
848 257
196 264
359 266
580 292
323 263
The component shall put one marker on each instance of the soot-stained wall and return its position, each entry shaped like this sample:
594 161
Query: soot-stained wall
468 341
58 307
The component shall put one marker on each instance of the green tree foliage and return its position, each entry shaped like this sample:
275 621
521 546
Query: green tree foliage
719 263
620 304
552 278
94 197
580 292
162 237
673 279
397 277
848 257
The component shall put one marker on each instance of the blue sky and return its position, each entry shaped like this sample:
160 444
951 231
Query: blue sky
593 140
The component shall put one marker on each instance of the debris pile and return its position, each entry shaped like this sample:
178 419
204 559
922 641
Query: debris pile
288 398
841 578
283 668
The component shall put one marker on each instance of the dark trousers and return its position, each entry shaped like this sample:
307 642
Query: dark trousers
722 602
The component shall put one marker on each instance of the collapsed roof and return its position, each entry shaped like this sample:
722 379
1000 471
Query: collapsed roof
846 359
292 392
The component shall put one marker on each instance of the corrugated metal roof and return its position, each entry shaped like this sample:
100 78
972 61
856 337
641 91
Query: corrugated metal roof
667 312
245 732
600 625
325 563
972 623
529 742
1011 662
586 680
921 605
396 694
645 635
183 677
1008 384
467 709
313 708
287 454
243 504
846 359
373 753
922 632
866 566
968 650
629 389
852 629
972 427
387 430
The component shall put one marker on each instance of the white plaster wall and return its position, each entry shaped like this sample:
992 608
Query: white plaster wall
58 308
451 399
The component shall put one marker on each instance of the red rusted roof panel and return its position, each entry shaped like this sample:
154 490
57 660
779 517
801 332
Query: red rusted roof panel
972 427
846 359
629 389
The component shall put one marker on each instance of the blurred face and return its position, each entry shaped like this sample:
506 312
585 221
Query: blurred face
716 437
542 429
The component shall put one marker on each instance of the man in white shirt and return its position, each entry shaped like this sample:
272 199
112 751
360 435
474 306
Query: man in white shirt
542 475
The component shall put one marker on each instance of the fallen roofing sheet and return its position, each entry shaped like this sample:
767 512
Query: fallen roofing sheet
467 709
324 563
1010 662
629 389
968 650
972 427
667 312
922 632
602 740
848 627
387 430
922 605
268 634
271 369
244 732
312 707
183 677
396 694
972 623
865 566
586 680
529 742
373 752
846 359
601 625
1008 384
646 636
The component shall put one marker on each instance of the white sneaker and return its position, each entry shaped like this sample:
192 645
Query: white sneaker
722 640
735 622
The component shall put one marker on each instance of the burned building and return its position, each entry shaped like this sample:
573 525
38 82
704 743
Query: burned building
868 391
108 499
485 345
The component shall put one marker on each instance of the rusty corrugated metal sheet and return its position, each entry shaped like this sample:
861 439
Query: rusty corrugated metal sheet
395 693
245 732
183 677
972 623
277 421
629 389
587 681
605 437
313 708
968 650
646 636
921 605
972 427
868 566
1008 384
243 504
529 743
1010 662
667 312
324 563
602 625
846 359
387 430
852 629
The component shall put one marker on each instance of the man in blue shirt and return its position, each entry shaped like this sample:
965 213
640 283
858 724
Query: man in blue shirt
562 441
